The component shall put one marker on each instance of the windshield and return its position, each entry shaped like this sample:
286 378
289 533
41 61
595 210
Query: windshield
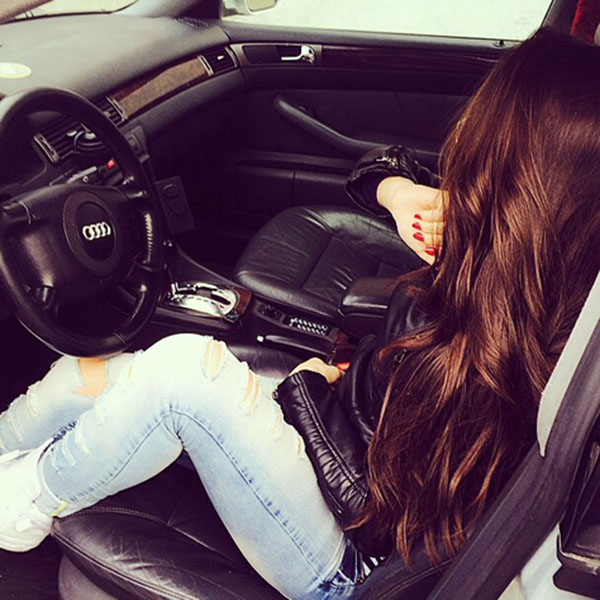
63 7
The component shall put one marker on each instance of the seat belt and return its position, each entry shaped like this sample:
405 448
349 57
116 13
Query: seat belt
535 498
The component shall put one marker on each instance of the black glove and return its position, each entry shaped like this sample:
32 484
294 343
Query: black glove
379 163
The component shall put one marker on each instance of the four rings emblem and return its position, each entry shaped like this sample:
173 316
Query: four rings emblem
96 231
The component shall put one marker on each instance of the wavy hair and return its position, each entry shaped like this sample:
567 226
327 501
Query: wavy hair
521 250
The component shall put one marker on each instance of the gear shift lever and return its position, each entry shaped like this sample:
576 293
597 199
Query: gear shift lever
207 299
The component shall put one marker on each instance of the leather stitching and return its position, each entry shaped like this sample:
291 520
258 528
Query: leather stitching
118 511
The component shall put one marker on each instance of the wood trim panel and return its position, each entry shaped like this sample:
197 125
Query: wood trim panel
402 59
142 94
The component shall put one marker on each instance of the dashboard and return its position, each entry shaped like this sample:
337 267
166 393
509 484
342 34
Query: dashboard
92 54
142 73
128 66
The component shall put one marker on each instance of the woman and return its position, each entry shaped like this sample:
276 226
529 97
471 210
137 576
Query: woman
416 439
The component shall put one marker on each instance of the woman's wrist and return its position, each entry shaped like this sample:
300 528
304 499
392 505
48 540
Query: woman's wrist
388 189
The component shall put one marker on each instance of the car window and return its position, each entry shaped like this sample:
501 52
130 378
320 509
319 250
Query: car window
60 7
507 20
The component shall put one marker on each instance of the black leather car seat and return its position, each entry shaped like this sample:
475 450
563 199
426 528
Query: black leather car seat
305 258
161 539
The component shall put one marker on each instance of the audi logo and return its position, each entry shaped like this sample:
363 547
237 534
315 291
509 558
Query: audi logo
96 231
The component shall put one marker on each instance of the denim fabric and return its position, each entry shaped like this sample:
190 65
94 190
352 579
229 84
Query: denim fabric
190 393
36 415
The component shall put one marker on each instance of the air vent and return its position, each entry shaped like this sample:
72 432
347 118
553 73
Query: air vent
111 109
56 138
220 60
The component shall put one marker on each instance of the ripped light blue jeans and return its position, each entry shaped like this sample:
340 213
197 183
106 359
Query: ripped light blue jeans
188 392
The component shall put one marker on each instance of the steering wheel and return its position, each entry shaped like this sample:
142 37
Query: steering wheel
64 242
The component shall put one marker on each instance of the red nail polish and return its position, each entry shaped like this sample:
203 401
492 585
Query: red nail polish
417 226
343 366
419 217
431 250
419 236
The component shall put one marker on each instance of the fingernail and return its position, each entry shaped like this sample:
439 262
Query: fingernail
343 366
431 250
419 217
417 226
419 236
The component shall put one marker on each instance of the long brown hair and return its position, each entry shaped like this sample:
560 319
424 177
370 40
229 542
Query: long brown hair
521 250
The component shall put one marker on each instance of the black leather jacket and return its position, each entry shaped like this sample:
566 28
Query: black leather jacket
337 423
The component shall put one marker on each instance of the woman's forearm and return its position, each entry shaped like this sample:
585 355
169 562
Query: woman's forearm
390 187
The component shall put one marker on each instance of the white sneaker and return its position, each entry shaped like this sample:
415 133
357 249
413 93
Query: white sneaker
22 525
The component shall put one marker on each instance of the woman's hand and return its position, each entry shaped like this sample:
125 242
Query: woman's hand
418 211
331 373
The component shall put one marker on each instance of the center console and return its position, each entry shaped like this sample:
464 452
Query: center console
200 300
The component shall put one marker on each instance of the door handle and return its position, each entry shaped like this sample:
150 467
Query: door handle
306 54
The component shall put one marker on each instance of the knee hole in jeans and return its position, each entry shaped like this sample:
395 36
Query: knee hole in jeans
94 374
213 358
277 428
13 427
80 440
32 400
252 392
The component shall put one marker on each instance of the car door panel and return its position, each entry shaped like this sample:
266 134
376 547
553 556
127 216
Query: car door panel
277 164
369 89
